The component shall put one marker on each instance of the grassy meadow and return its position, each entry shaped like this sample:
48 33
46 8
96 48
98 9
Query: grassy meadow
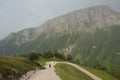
68 72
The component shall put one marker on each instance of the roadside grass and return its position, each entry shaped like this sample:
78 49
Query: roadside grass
100 73
14 66
68 72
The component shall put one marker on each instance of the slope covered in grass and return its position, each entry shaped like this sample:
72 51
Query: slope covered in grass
11 68
100 50
68 72
102 74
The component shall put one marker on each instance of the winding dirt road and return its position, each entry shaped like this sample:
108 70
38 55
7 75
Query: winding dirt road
49 73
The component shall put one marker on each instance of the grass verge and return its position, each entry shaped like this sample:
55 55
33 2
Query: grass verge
68 72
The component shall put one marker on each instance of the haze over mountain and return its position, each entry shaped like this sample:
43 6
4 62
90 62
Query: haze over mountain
91 35
24 14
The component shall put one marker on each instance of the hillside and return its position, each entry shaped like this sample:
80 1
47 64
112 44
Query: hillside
100 50
91 35
11 68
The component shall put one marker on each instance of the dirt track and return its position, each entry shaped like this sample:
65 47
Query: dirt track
49 73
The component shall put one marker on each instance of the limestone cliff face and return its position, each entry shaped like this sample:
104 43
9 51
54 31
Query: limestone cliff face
74 23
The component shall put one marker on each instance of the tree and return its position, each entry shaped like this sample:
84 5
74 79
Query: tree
48 54
59 55
96 64
33 56
69 57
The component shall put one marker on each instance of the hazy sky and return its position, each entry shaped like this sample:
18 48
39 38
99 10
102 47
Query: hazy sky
16 15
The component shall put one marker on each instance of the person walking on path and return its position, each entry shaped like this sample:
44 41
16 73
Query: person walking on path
49 65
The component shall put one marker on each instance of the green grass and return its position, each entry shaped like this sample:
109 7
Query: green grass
102 74
68 72
15 66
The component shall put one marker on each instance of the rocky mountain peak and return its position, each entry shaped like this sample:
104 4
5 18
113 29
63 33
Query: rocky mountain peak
84 19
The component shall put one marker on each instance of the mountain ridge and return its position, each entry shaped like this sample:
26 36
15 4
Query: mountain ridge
63 24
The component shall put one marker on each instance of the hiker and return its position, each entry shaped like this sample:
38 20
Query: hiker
49 65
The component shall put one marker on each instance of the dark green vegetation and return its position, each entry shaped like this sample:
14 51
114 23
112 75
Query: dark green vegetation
11 68
47 55
100 73
41 58
68 72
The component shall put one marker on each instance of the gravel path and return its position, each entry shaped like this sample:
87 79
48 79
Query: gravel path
49 73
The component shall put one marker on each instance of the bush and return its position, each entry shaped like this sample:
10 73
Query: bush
48 54
33 56
69 57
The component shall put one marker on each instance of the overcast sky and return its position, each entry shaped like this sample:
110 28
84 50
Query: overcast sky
16 15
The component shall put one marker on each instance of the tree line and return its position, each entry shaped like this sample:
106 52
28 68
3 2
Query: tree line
48 54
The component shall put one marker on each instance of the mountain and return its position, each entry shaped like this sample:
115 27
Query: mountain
91 35
67 26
